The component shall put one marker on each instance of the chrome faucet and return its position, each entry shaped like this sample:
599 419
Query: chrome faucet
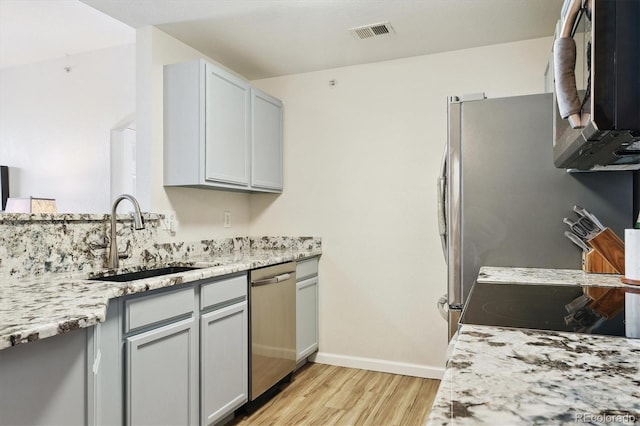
137 224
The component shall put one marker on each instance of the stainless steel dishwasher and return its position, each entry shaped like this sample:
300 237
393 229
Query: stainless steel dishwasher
273 326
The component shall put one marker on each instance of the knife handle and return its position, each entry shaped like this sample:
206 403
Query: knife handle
609 246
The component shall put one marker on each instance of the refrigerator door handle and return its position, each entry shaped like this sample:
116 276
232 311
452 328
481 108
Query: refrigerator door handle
442 203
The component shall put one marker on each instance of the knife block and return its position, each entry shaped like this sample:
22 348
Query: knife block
611 248
610 303
593 262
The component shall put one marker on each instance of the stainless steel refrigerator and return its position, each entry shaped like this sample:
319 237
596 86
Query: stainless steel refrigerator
503 200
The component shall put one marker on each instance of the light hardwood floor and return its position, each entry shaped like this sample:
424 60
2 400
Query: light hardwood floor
329 395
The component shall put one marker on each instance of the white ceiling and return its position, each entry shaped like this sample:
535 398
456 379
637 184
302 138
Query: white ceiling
265 38
40 30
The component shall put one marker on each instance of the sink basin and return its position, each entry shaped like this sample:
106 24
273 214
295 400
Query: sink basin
132 276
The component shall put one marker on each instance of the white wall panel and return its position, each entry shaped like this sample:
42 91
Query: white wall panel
55 125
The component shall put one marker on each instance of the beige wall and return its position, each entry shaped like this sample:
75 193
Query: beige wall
199 212
361 162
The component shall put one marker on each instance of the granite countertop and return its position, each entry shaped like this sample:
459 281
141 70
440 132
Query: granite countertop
490 274
503 376
51 304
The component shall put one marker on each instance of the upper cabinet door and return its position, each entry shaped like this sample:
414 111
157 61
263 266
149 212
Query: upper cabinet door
219 133
227 132
266 141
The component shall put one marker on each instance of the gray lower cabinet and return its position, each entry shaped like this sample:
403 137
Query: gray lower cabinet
162 375
223 354
45 382
306 308
224 340
161 352
176 356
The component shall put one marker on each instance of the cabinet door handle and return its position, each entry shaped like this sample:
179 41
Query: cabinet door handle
271 280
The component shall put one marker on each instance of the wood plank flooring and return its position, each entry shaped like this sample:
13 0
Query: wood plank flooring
328 395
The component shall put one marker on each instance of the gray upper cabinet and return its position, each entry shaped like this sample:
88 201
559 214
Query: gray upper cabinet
227 132
219 133
266 141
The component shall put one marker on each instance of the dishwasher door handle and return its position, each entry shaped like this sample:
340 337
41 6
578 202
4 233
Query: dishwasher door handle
271 280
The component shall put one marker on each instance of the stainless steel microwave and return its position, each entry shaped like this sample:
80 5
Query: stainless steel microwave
598 128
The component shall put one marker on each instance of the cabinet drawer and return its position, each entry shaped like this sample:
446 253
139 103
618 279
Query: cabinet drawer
152 309
223 290
307 268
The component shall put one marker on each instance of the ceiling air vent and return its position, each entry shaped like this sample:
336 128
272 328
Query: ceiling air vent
372 30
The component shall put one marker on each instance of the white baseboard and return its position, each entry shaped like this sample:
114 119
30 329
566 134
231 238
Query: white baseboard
381 365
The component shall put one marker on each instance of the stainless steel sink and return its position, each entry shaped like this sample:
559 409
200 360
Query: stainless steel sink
149 273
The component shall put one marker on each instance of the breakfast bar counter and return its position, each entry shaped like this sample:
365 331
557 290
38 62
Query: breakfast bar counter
33 308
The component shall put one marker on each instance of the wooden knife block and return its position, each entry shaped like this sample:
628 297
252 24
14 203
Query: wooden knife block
610 248
609 303
593 262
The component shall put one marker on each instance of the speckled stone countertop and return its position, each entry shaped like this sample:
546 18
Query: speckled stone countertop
502 376
51 304
490 274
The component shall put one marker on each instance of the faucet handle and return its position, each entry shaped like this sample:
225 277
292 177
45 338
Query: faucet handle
126 253
98 245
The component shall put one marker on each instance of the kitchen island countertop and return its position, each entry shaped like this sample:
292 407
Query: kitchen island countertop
513 376
52 304
504 376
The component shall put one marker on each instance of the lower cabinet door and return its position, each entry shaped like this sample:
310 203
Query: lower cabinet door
224 361
306 318
162 376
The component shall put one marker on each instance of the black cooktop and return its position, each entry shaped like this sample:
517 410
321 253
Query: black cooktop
592 310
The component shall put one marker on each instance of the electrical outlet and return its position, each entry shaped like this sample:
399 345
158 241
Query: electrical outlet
170 222
227 219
